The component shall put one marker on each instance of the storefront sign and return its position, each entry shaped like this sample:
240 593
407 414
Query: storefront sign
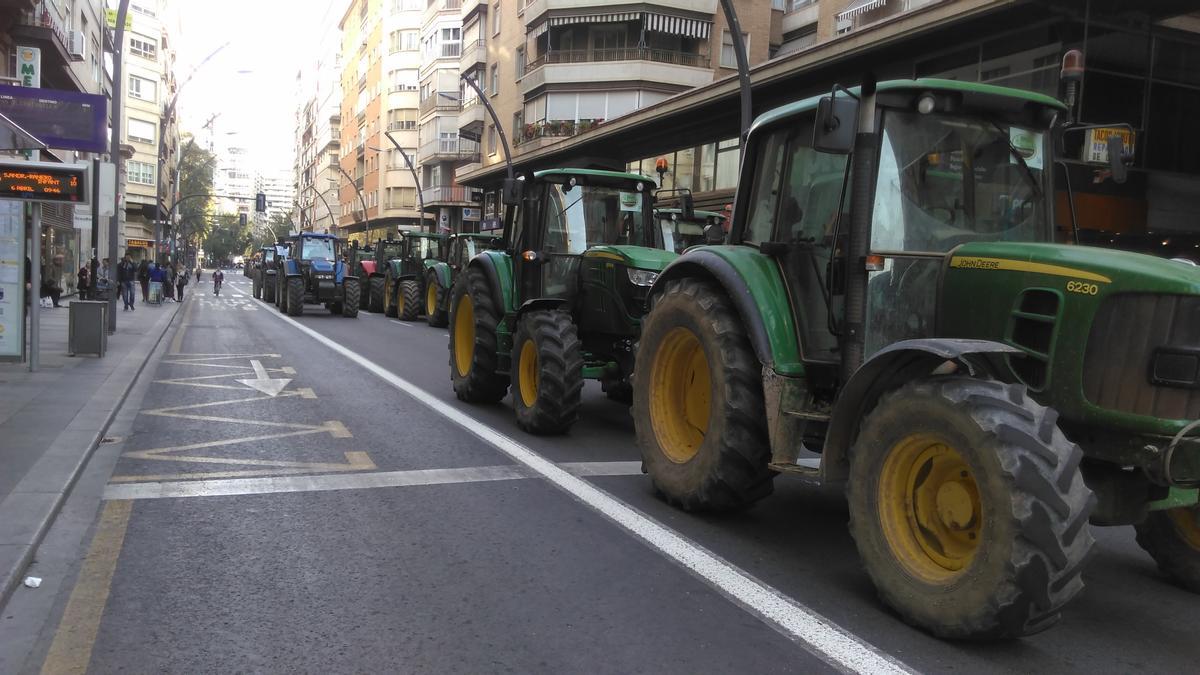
12 280
139 243
61 119
470 213
1095 150
29 66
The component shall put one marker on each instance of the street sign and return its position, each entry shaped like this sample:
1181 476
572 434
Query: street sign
1095 150
139 243
44 181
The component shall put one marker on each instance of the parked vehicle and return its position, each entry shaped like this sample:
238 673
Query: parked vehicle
440 275
315 273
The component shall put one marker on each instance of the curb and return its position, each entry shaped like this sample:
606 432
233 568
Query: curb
45 488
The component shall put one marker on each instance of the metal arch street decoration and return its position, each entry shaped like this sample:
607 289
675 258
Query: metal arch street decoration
60 119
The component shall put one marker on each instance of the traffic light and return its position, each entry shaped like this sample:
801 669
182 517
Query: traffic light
242 219
260 203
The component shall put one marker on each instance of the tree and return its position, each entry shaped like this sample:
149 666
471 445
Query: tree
196 166
226 237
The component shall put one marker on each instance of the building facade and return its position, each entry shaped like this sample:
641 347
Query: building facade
319 133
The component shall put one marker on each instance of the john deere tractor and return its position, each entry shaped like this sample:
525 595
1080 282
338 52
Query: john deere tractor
441 274
890 313
562 301
315 273
404 282
265 273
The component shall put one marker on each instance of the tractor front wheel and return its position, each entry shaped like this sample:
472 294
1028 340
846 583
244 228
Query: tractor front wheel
268 289
698 402
968 508
391 296
256 288
375 293
435 305
473 343
295 296
1172 538
410 300
548 363
351 296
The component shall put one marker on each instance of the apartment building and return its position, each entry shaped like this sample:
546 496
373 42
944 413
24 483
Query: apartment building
67 41
399 114
279 189
233 179
361 29
319 132
149 93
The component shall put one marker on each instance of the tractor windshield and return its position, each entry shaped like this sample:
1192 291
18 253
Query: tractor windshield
314 248
945 181
584 216
392 251
679 234
424 248
268 255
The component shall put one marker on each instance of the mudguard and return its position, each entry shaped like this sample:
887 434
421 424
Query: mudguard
497 267
538 304
887 369
441 272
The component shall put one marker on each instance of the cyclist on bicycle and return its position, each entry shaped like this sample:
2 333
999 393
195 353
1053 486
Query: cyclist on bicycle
217 277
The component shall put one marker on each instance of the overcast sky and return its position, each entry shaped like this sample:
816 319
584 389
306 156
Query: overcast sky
268 38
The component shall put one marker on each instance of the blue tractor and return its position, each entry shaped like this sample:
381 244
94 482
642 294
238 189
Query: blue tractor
315 273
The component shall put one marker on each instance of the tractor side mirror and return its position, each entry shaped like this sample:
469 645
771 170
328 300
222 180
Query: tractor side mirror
714 234
837 119
1116 159
512 192
687 206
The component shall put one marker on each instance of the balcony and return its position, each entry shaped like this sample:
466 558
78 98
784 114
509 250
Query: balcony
447 195
449 150
435 7
537 9
474 52
440 101
800 13
554 129
471 118
40 27
470 7
663 66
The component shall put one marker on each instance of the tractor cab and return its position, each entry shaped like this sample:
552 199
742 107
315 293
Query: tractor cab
679 232
417 247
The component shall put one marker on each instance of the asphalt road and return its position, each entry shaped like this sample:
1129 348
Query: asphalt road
362 519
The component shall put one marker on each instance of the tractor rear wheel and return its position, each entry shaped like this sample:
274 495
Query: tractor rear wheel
268 289
1172 538
375 293
351 296
391 295
410 300
473 343
698 405
548 364
256 288
295 296
968 508
435 304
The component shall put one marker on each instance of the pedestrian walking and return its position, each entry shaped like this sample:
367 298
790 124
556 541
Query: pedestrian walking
156 283
52 278
143 277
181 280
197 273
127 273
103 283
83 282
169 281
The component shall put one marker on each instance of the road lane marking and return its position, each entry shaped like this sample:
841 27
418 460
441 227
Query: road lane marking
401 323
177 341
71 649
817 634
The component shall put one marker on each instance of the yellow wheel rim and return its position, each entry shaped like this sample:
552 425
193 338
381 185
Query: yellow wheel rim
929 507
400 301
464 335
431 299
680 395
1187 523
387 296
527 373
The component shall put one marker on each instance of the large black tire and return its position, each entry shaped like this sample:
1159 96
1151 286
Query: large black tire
547 372
410 300
712 455
473 344
1172 538
436 313
351 296
295 296
618 392
256 289
375 293
268 288
391 297
968 508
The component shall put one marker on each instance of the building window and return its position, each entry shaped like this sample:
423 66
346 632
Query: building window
141 130
404 41
728 57
520 62
495 18
145 48
495 76
403 79
144 11
491 139
401 197
142 88
402 119
141 173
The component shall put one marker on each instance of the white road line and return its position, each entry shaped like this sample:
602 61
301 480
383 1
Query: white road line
819 635
406 325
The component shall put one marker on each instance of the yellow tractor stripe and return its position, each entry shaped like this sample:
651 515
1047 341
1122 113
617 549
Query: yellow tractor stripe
977 263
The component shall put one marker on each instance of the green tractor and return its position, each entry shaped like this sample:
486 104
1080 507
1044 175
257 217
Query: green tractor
264 274
404 280
441 274
374 264
562 301
890 313
315 273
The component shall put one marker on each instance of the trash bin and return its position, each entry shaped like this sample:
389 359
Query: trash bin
86 329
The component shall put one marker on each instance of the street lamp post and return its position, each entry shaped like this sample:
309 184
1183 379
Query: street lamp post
324 201
114 154
411 169
361 200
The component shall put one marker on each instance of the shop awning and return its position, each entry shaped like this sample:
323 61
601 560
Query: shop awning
677 25
860 8
615 17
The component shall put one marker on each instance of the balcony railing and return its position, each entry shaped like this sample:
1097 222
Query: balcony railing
619 54
438 102
446 193
41 17
402 126
475 50
559 129
458 148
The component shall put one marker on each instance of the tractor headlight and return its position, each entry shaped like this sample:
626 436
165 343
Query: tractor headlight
641 277
324 276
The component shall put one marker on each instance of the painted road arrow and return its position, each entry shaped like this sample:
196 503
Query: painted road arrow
263 382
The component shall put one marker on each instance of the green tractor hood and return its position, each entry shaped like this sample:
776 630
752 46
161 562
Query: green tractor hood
639 257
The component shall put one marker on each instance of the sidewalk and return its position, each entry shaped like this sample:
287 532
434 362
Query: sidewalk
52 420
